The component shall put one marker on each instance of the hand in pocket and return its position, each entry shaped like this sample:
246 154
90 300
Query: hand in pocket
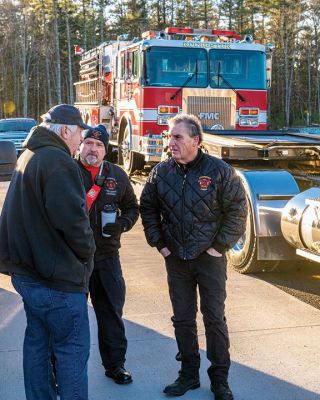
213 253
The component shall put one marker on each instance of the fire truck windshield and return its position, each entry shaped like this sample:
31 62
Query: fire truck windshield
240 69
172 66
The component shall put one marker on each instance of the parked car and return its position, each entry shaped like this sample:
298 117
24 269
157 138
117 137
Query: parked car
16 130
8 159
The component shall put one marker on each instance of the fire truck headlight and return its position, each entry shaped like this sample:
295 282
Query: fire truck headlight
163 119
248 121
166 112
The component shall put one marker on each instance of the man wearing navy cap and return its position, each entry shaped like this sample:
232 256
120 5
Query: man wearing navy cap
110 197
47 246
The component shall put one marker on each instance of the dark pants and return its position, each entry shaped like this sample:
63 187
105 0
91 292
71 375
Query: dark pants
107 291
209 275
56 321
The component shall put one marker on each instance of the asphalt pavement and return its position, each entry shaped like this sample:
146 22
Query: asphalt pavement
275 344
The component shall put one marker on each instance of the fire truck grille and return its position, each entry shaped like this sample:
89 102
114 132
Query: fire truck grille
212 111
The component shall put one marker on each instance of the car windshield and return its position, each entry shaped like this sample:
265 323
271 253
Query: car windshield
239 69
172 66
17 125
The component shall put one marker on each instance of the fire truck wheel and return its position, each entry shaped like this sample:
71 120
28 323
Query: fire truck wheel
136 162
243 256
132 161
125 148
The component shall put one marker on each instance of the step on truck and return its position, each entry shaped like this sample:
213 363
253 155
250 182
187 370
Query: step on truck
134 87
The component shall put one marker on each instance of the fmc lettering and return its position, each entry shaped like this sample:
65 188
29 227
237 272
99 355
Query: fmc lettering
209 115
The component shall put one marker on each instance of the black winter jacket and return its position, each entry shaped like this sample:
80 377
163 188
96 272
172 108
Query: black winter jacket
116 191
44 226
191 209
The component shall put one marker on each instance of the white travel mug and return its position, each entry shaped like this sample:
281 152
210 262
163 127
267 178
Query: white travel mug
108 216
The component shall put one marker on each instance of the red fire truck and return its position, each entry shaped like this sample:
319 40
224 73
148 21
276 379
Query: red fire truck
134 87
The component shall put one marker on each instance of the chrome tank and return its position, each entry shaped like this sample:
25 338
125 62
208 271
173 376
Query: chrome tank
300 221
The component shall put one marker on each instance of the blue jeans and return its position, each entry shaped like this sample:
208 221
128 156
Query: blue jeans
56 322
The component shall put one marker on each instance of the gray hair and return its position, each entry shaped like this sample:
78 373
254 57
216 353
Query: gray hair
56 128
191 122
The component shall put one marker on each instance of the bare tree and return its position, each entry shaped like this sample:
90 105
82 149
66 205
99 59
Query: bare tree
57 53
66 14
46 51
26 52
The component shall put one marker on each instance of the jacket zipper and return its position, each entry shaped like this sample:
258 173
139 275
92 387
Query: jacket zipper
182 216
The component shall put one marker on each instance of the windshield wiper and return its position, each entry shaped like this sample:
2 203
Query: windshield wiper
219 75
191 75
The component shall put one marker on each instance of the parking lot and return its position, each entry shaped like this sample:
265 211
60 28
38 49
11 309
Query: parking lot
274 337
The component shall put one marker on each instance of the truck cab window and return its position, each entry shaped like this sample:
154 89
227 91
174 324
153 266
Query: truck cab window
243 69
169 66
135 66
122 66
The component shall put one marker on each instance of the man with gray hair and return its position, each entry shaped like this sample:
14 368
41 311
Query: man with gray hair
193 209
47 246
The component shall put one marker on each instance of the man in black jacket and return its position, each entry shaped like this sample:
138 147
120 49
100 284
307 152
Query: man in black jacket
47 246
193 210
113 210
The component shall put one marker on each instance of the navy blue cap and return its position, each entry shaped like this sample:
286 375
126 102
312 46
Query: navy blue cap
64 114
98 132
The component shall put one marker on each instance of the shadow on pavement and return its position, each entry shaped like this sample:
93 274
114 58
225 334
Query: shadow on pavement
300 280
150 359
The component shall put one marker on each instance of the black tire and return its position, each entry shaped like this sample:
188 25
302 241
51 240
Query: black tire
122 148
243 256
120 157
136 162
130 160
112 154
126 149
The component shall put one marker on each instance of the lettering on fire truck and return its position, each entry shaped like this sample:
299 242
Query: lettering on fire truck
209 115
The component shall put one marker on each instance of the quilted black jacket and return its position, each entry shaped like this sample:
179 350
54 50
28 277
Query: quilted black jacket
191 209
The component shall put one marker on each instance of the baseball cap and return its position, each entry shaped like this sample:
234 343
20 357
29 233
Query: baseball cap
98 132
64 114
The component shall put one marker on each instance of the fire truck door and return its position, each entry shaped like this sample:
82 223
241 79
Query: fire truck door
128 74
125 81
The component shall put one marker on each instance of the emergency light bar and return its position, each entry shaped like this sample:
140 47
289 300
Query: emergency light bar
198 32
192 32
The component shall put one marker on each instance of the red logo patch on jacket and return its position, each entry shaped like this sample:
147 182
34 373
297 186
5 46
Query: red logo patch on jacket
111 184
204 182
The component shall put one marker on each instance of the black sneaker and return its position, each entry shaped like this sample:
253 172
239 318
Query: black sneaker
181 385
221 391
